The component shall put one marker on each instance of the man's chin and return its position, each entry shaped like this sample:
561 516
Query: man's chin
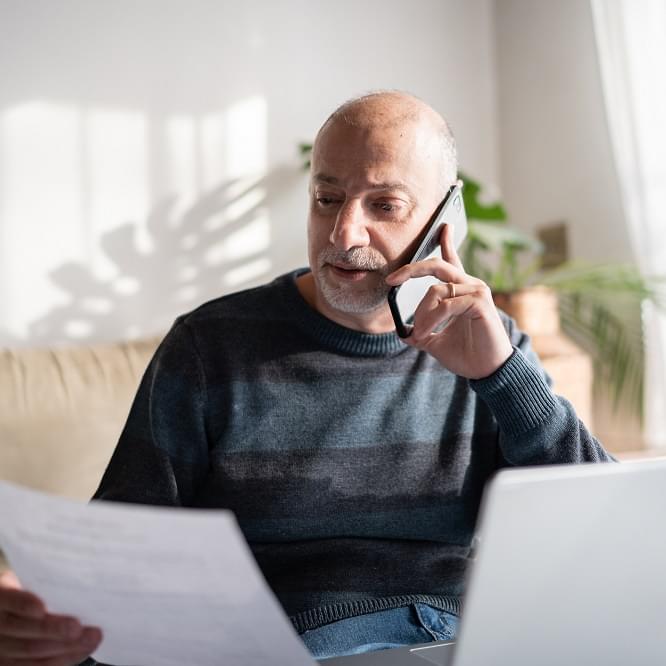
352 297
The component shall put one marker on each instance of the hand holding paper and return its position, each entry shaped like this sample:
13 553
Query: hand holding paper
167 586
28 631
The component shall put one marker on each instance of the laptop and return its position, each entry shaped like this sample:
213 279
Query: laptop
570 571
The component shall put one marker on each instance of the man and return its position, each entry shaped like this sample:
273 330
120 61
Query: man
354 462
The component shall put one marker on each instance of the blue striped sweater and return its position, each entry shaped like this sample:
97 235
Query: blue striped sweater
354 463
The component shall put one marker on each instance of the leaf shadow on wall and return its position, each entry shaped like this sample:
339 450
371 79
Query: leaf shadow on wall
191 261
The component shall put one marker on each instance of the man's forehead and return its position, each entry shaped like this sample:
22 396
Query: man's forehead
376 143
372 183
381 159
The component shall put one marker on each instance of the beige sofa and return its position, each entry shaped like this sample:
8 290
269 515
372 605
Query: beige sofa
62 410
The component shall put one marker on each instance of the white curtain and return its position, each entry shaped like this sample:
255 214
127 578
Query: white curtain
631 42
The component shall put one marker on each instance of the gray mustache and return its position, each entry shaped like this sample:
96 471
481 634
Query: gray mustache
356 258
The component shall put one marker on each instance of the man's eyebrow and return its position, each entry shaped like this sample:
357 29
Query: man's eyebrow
332 180
323 178
392 186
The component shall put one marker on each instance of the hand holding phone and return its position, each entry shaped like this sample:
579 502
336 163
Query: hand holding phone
405 298
456 320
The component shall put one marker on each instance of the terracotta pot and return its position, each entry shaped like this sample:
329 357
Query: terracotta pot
535 310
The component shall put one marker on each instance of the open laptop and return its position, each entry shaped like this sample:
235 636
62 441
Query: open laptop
570 571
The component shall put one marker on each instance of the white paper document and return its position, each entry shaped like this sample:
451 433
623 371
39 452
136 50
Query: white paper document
166 586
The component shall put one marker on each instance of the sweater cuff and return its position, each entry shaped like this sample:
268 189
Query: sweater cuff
517 395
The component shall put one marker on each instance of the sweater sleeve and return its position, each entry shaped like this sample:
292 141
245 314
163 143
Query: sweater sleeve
162 453
536 426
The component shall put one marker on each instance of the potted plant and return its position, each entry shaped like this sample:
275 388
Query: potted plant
598 305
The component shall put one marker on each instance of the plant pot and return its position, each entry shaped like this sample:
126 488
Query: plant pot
535 310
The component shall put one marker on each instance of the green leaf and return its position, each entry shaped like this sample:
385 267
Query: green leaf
474 208
305 150
495 237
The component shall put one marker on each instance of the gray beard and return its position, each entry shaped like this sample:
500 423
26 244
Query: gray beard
345 298
342 298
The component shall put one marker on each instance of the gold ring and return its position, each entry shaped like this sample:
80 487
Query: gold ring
452 289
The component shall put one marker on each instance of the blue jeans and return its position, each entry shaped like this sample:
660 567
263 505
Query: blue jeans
408 625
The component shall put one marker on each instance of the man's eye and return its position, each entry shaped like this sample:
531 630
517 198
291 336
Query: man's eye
385 206
326 201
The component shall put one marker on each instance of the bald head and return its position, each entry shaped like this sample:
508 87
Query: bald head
390 110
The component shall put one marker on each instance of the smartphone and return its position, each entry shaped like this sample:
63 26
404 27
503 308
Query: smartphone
404 300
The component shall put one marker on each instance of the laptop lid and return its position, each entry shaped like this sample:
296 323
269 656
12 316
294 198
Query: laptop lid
571 568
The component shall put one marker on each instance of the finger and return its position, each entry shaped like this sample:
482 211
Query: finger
30 648
24 648
68 659
20 602
434 317
430 305
445 291
51 626
14 599
71 659
437 267
448 245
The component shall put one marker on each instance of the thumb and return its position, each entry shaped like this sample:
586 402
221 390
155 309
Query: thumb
9 580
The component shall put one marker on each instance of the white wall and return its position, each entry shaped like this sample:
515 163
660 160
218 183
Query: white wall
555 155
125 124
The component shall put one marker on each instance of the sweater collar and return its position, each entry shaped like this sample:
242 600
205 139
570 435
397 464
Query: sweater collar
328 333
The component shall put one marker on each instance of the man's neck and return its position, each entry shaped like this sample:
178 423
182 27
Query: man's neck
377 321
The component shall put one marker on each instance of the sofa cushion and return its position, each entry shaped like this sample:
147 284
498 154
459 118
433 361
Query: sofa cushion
62 410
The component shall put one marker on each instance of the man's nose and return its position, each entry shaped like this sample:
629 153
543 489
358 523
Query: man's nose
350 228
